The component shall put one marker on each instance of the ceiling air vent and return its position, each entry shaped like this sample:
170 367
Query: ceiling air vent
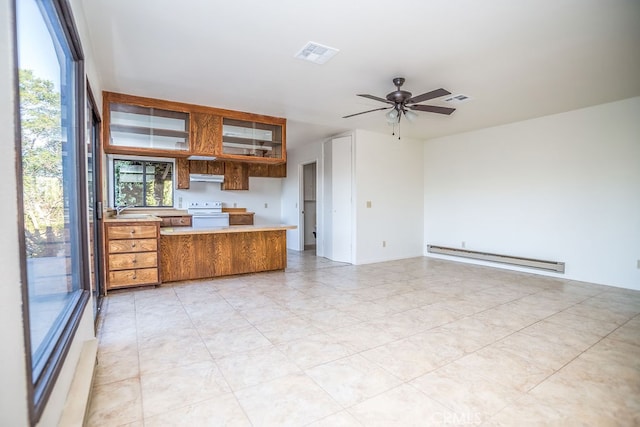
457 99
317 53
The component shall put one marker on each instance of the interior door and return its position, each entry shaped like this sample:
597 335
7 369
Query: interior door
341 189
94 204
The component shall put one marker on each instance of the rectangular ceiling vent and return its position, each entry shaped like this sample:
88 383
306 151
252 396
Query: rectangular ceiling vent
457 99
317 53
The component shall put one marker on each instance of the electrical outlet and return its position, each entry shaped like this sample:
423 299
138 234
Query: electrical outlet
384 243
235 204
266 205
639 263
463 244
368 203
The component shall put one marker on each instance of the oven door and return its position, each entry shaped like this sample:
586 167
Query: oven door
210 220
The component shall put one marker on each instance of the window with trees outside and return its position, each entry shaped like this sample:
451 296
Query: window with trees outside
142 183
52 180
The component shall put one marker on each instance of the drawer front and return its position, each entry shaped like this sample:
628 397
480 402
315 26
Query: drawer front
241 219
133 277
166 222
133 245
133 260
132 231
184 221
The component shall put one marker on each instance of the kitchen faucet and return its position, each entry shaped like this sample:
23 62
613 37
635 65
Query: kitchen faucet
119 209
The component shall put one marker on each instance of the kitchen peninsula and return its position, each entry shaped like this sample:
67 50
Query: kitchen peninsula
197 253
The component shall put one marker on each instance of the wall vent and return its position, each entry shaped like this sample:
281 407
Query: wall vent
554 266
316 52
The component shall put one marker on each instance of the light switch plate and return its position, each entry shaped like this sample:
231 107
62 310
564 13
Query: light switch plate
368 203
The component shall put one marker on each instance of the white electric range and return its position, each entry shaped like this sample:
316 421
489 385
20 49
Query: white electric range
207 213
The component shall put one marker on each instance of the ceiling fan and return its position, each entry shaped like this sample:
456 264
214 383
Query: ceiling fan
401 102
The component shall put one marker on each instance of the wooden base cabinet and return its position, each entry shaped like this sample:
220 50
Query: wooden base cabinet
199 256
132 254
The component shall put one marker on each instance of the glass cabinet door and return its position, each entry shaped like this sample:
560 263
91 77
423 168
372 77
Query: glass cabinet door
147 127
251 139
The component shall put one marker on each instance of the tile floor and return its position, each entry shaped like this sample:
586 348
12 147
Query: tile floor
415 342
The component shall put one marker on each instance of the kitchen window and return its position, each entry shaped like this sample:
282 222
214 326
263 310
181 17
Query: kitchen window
52 182
141 182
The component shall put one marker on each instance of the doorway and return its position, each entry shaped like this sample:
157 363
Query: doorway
309 209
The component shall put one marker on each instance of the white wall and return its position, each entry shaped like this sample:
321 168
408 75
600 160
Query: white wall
564 188
389 174
13 387
291 188
261 191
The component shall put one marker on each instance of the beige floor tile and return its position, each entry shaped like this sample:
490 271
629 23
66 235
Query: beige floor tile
178 387
628 333
505 368
530 412
222 321
257 315
116 366
538 350
226 342
339 419
293 400
255 367
475 333
363 336
352 379
222 410
314 350
586 403
115 403
583 324
562 336
283 330
472 339
170 350
327 320
412 357
406 406
460 389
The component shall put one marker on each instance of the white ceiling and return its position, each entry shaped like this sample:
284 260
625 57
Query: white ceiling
516 59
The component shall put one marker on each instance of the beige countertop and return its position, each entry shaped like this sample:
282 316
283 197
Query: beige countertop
138 215
132 217
181 231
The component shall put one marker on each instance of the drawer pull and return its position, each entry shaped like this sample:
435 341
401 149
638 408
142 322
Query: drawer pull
133 245
133 231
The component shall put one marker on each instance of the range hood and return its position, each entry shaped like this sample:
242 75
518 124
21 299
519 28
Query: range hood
201 158
203 177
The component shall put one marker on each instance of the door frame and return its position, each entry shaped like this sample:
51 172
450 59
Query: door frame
301 225
98 246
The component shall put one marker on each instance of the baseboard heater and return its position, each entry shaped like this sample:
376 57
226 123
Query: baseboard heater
505 259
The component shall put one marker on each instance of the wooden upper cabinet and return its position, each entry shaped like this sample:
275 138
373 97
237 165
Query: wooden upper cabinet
144 126
205 134
254 139
236 176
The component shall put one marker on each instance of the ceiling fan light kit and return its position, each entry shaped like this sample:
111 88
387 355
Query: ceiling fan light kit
401 102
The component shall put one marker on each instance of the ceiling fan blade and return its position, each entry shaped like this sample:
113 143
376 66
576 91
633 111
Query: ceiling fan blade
429 95
375 98
369 111
432 109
